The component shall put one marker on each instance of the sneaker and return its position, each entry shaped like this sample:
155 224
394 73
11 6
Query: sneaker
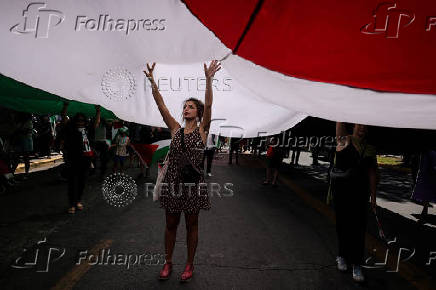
341 264
209 174
358 274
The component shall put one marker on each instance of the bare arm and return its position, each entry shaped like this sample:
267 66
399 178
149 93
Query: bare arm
207 114
341 136
340 130
209 72
172 124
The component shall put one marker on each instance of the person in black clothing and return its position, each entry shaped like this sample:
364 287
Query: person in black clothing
45 136
275 155
351 193
234 147
209 152
77 154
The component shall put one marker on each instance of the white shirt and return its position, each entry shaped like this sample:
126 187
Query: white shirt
210 142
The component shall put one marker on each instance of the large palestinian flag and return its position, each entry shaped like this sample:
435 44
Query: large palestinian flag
364 61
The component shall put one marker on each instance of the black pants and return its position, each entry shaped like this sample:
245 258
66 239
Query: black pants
351 208
78 171
208 155
295 156
102 148
236 150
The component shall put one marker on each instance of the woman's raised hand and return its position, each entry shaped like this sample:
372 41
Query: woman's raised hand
212 69
149 73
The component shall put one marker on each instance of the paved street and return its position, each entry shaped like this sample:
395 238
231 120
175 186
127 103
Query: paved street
258 238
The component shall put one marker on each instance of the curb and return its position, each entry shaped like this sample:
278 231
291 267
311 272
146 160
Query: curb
39 163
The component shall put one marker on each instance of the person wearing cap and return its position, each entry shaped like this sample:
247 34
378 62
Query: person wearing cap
121 143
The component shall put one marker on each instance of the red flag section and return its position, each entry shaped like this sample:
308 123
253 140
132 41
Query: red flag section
387 46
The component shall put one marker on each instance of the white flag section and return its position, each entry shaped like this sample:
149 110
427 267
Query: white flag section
336 102
95 52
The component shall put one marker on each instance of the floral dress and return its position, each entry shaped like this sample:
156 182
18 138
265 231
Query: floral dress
176 196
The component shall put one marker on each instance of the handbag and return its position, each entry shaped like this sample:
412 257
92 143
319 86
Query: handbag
341 174
189 172
160 176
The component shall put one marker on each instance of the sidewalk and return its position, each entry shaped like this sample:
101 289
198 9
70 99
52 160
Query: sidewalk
393 192
55 158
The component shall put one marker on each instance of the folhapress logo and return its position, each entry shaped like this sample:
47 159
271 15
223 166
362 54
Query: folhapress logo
39 257
388 20
38 20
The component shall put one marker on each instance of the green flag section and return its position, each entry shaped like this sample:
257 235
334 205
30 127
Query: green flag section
151 153
21 97
161 151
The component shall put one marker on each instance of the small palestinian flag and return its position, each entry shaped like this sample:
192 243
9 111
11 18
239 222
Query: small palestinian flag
151 153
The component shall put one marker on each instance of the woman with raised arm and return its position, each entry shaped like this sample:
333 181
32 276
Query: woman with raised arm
357 161
178 191
77 153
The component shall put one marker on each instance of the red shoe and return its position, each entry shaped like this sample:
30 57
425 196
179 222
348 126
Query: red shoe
166 271
187 273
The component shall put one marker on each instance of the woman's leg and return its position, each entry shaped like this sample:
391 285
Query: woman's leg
340 204
82 178
357 226
116 160
268 175
122 159
72 185
191 221
26 158
276 174
424 212
172 221
210 154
